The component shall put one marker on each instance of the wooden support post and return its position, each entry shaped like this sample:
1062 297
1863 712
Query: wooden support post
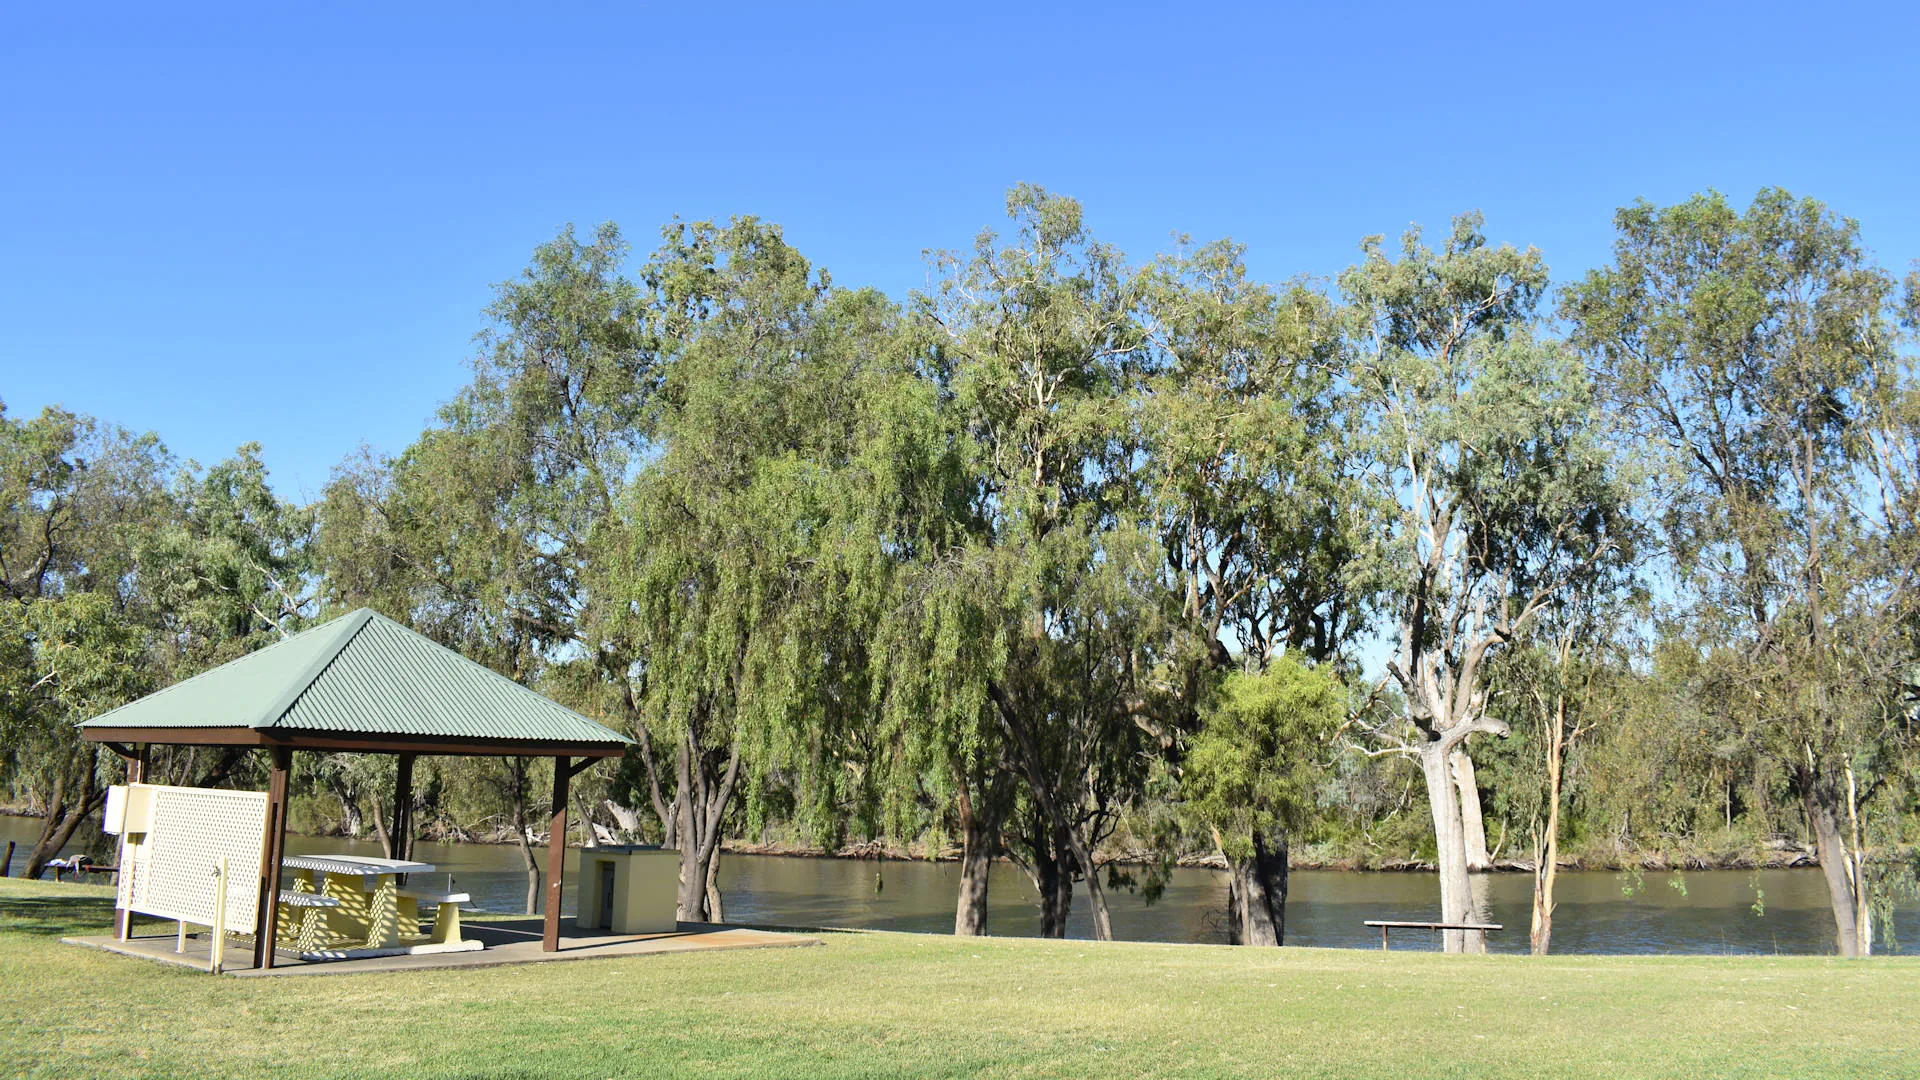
556 854
6 864
137 768
402 829
267 913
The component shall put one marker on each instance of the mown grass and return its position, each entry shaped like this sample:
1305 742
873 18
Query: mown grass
885 1005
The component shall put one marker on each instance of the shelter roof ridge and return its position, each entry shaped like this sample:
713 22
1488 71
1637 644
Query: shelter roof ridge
360 674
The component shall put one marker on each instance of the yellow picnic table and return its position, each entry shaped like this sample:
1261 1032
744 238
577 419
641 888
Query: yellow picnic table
369 914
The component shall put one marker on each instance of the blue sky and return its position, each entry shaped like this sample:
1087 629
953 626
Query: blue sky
238 224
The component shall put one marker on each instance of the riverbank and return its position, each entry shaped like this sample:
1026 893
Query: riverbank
1774 854
882 1005
1782 855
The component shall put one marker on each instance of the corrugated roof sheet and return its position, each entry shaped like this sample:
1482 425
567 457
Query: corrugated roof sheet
362 674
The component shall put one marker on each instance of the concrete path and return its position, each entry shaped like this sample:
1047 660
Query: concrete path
507 942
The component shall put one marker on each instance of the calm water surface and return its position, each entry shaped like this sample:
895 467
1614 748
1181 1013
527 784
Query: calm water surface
1719 911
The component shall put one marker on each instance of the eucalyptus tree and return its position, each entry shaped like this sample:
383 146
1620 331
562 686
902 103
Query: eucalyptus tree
1059 584
76 499
77 657
1490 454
1752 349
76 496
495 531
1254 487
1558 688
1253 476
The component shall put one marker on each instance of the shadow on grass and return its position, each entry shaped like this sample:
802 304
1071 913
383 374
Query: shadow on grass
56 915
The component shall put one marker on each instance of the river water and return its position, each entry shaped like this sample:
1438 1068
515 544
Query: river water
1713 911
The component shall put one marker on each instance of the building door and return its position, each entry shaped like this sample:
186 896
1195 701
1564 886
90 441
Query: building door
606 895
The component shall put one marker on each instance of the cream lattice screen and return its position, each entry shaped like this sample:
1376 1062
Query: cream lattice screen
169 871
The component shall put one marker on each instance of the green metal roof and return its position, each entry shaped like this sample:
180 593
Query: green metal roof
362 674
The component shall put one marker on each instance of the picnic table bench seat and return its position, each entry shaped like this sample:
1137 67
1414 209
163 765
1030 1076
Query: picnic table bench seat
312 918
446 916
436 897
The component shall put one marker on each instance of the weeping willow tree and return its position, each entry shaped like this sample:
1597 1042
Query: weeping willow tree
762 541
1042 614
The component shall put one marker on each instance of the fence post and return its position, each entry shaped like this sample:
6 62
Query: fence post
218 947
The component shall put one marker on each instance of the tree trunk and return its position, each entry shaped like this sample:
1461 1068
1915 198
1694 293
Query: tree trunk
1473 827
979 840
1257 894
351 820
715 911
533 868
1096 893
1857 870
517 780
1051 870
63 818
1450 851
699 807
1835 865
1546 852
1055 883
380 830
589 832
690 904
533 879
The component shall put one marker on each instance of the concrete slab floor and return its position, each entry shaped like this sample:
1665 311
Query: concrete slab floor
507 942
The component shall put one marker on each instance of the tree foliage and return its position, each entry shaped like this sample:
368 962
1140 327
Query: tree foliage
1070 556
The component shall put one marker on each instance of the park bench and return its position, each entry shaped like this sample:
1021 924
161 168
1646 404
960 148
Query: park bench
77 866
1387 925
446 916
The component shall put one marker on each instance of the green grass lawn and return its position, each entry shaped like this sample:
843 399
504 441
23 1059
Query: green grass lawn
883 1005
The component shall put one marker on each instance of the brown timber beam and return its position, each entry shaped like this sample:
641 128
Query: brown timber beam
267 912
175 736
401 838
556 855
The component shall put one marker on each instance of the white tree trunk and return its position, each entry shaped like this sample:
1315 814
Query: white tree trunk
1450 851
1473 826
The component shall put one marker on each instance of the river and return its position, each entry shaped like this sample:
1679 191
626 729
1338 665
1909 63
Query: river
1711 911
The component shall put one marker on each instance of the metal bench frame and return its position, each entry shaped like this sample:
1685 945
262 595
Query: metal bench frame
1386 925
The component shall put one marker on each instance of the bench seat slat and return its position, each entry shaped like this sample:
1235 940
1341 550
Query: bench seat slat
1396 924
